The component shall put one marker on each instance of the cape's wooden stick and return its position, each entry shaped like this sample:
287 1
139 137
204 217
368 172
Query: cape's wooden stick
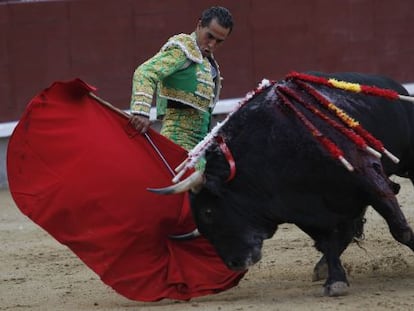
126 115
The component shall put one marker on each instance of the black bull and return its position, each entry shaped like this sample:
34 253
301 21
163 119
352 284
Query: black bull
285 176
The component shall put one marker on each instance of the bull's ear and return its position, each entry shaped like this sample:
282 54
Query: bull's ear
214 185
216 171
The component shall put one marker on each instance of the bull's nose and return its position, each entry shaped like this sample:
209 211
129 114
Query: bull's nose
237 265
243 263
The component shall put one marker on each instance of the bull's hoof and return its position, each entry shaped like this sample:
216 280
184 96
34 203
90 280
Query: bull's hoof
320 272
336 289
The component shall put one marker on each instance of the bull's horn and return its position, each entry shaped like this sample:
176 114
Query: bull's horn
195 179
186 236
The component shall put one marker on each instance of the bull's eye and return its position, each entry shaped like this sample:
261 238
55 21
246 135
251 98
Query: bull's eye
208 215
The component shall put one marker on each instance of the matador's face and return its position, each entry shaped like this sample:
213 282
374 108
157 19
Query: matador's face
210 37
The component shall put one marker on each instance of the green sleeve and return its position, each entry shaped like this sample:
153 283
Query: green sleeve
147 76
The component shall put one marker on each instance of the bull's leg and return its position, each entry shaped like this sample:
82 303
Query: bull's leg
389 209
320 271
332 244
386 204
336 283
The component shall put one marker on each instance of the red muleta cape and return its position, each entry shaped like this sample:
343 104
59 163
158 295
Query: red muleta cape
78 170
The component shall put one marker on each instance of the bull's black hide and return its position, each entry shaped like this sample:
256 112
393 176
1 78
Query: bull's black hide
285 176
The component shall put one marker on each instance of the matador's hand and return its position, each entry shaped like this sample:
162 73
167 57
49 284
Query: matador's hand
140 123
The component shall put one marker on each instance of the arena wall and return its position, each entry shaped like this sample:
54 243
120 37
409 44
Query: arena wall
102 41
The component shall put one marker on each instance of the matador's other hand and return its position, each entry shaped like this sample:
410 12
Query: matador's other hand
140 123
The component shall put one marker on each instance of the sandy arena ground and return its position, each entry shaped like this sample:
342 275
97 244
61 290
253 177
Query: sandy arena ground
38 273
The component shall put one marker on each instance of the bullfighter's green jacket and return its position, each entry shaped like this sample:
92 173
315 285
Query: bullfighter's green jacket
180 73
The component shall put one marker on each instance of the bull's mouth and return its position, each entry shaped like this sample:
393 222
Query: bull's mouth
243 263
